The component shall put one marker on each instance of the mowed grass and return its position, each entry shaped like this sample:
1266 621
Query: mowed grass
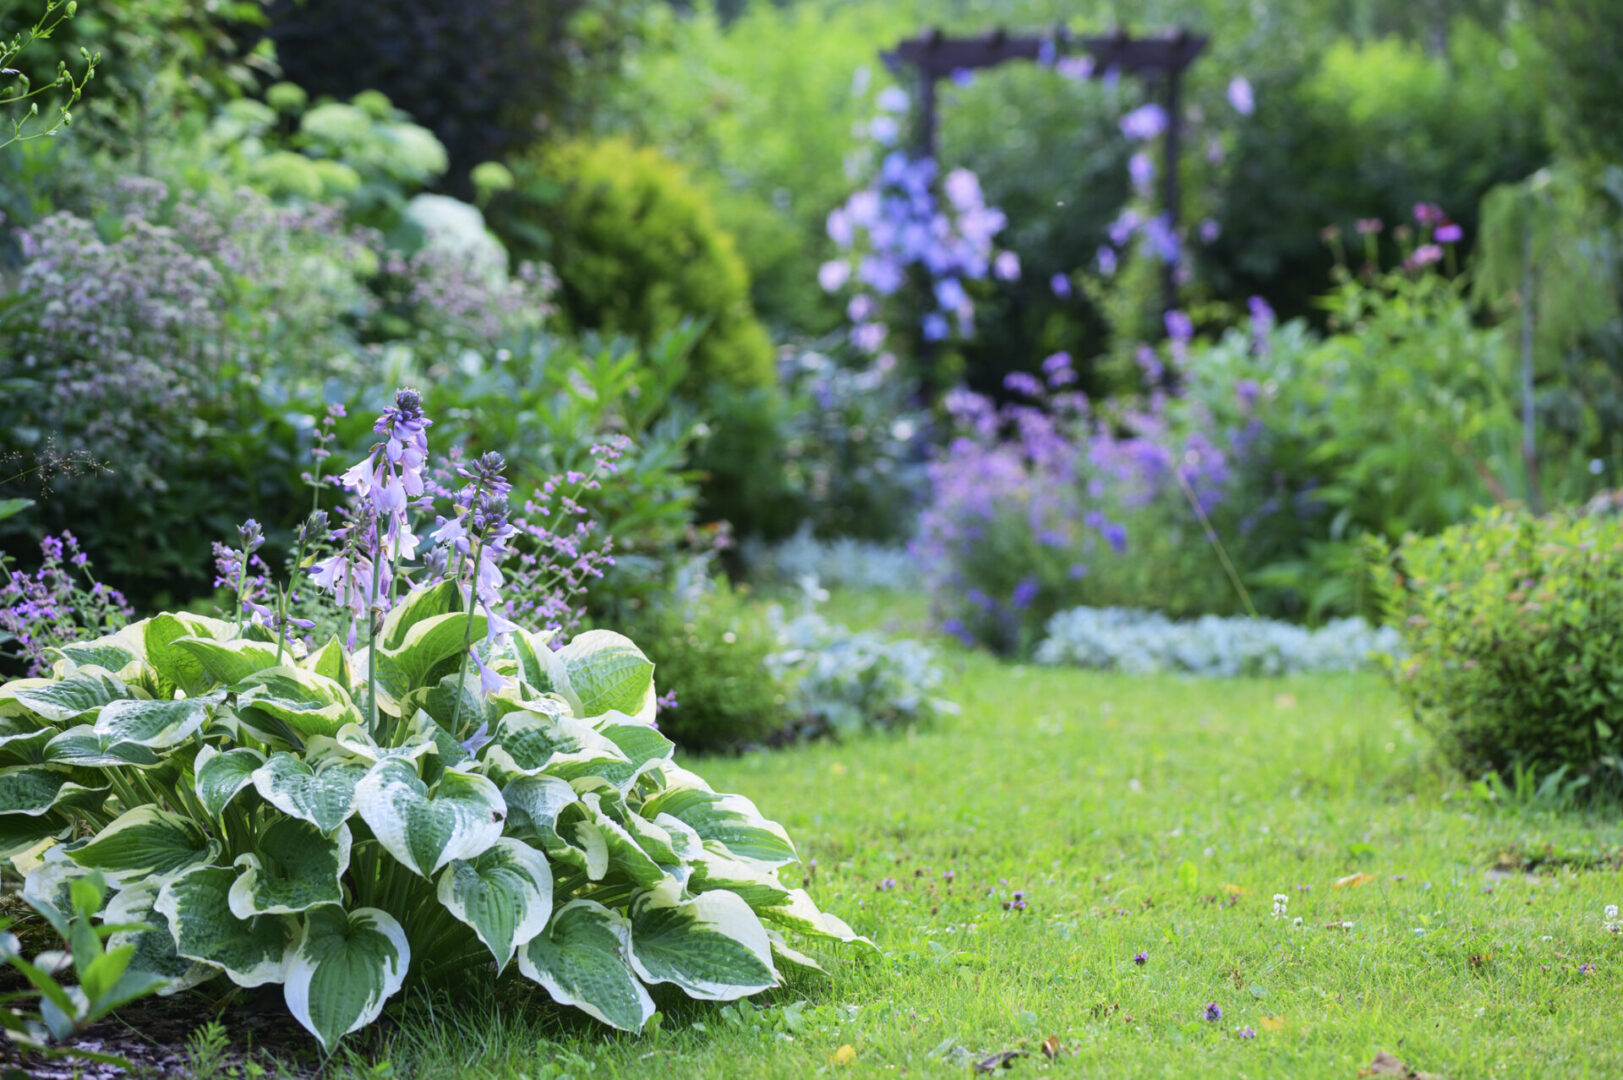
1135 815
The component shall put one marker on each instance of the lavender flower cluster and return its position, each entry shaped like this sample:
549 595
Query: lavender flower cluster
57 603
1146 642
896 225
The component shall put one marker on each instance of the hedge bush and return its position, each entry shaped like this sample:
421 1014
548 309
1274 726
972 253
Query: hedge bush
1511 623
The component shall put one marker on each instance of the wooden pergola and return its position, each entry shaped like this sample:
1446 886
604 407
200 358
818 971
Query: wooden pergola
934 56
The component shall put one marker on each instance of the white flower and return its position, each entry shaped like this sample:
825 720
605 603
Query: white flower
1612 922
1280 902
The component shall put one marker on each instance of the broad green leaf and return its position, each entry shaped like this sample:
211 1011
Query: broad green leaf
625 854
86 654
757 887
782 953
156 725
346 965
534 804
528 743
220 776
731 819
227 663
33 789
504 894
332 661
324 795
13 507
712 947
81 746
425 644
655 839
608 673
354 741
20 832
294 867
47 888
11 708
147 840
540 667
459 819
154 947
23 740
197 905
419 604
308 703
581 960
801 913
62 701
178 667
641 743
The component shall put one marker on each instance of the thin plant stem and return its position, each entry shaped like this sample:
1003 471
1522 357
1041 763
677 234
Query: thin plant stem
467 636
372 636
1217 545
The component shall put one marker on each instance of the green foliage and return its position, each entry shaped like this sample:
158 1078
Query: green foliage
711 648
1582 40
20 100
270 834
1511 625
103 958
637 249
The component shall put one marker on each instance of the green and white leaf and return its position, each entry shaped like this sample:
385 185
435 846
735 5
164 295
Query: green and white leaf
227 663
534 804
324 795
294 867
145 841
460 818
424 645
354 740
581 960
757 887
219 777
624 853
81 746
332 661
156 725
641 743
34 789
197 906
49 885
528 743
801 913
442 598
155 947
20 832
713 947
178 667
732 820
69 699
308 703
505 895
346 965
607 672
541 669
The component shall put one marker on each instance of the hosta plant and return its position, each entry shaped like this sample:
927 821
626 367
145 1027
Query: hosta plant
244 808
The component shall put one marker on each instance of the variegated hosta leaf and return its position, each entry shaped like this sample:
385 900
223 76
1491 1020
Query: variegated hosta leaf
425 644
460 818
176 666
439 599
625 854
608 673
534 804
505 895
23 739
346 965
155 947
783 953
528 743
49 885
197 905
757 887
801 913
81 747
294 867
541 668
712 947
220 776
156 725
308 703
62 701
641 743
20 832
581 960
147 840
332 661
352 740
33 789
226 663
114 653
324 795
730 819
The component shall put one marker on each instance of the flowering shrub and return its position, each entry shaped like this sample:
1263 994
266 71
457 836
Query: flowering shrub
341 821
1145 642
846 682
1508 622
857 564
52 606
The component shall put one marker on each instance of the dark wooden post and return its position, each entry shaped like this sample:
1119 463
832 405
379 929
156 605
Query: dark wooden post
1169 180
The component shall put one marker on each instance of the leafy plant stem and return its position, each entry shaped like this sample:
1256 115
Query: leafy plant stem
1217 544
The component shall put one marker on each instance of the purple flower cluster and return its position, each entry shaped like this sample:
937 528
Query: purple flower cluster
897 225
57 603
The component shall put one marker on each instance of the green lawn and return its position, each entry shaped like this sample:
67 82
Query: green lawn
1155 815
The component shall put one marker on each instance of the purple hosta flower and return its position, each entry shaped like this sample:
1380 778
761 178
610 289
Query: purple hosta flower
1121 230
1141 170
348 577
894 99
1428 214
1214 1012
1241 97
1006 266
1141 958
949 293
251 535
868 337
1209 231
1448 233
1061 286
860 308
390 477
833 274
1107 261
1144 122
934 327
963 189
1180 327
1424 255
1368 226
840 228
1058 370
1078 68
